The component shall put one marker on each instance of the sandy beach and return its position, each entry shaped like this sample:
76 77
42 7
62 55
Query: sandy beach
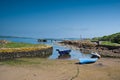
44 69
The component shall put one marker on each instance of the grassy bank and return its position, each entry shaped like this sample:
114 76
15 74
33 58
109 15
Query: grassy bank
20 47
108 43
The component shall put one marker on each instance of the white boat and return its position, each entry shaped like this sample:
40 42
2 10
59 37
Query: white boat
95 55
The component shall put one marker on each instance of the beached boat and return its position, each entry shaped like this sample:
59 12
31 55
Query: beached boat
63 52
87 60
93 59
65 56
95 55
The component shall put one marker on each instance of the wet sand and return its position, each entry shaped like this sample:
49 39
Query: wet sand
44 69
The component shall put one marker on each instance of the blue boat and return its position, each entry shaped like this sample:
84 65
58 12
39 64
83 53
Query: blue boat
94 58
87 60
65 56
63 52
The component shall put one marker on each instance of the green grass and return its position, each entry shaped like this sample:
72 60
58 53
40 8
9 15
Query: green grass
19 45
109 43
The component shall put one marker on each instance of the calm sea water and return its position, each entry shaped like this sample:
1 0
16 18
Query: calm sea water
74 54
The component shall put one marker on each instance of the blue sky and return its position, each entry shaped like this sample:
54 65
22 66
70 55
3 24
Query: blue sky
59 18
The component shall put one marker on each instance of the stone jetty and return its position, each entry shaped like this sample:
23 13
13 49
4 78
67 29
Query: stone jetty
11 53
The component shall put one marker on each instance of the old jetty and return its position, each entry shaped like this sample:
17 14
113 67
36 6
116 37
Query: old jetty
31 51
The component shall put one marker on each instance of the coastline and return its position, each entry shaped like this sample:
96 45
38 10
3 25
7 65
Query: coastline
35 68
91 47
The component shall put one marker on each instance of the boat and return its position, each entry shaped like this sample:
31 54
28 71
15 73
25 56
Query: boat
94 57
87 60
63 52
64 56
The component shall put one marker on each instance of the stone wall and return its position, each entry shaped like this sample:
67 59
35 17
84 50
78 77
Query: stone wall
44 53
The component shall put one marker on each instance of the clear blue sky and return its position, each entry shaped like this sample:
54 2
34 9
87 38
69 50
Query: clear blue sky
59 18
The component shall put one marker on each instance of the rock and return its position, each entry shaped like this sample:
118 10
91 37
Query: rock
4 41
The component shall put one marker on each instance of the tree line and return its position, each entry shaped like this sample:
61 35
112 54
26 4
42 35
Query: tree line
115 38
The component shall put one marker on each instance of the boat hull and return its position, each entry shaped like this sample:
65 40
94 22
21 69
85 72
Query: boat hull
87 60
63 52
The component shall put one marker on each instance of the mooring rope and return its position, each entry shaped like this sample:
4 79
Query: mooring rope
76 74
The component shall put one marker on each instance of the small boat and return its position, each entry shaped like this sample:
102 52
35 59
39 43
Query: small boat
87 60
63 52
95 55
65 56
93 59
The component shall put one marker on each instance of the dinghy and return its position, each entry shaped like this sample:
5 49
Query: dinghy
63 52
95 55
87 60
94 58
64 56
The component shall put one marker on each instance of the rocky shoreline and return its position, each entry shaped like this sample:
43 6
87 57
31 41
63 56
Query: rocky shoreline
88 47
